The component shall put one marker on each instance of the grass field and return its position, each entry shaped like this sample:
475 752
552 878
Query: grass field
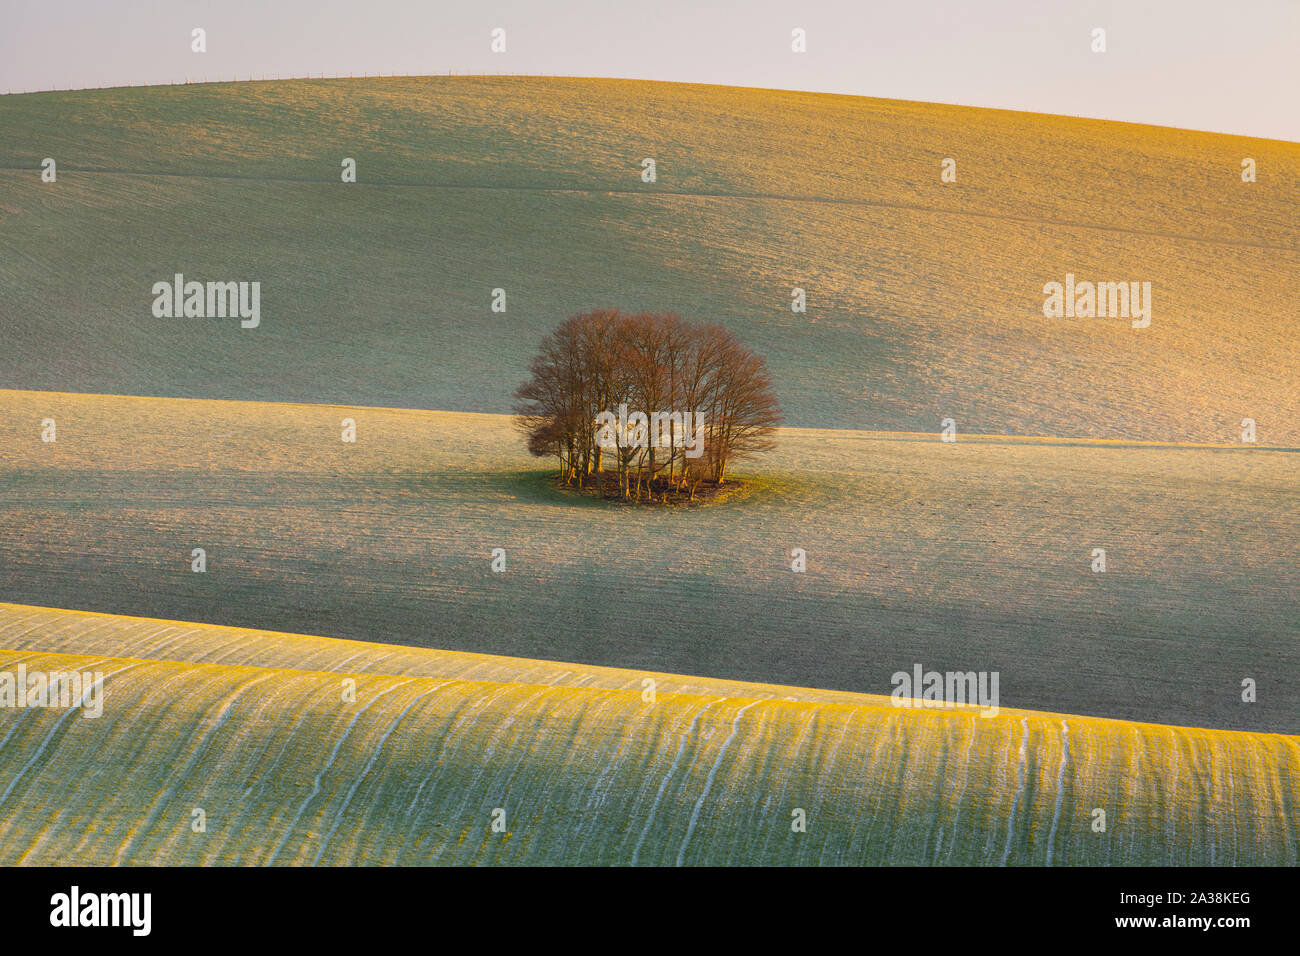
924 298
584 767
966 556
1120 691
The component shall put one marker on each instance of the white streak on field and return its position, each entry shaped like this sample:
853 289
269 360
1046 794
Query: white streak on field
315 789
1293 848
484 758
149 646
708 783
235 644
1135 796
654 807
342 665
1060 788
285 737
46 830
961 792
19 720
1172 817
845 727
794 750
1236 823
374 755
1207 792
196 754
1020 788
59 723
447 738
612 765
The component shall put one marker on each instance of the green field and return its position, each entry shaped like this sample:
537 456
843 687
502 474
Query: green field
1120 691
924 298
966 556
585 768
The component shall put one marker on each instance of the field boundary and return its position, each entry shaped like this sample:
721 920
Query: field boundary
655 192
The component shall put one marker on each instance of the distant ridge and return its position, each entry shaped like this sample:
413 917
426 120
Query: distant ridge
924 298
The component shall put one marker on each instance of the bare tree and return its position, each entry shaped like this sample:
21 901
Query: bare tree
747 411
669 372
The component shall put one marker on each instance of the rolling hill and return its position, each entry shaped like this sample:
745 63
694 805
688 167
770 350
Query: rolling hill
1120 691
925 298
968 556
585 770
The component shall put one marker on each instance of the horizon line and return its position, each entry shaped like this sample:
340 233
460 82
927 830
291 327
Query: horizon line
280 78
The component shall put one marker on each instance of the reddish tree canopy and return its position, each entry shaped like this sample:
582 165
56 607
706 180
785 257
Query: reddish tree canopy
664 403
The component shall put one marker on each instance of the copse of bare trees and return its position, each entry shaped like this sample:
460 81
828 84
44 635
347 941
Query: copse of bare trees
688 399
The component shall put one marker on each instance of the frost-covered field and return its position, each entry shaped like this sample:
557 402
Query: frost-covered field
924 303
967 556
924 298
584 768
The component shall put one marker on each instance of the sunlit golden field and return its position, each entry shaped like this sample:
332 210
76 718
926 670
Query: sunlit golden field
586 769
969 556
925 299
329 562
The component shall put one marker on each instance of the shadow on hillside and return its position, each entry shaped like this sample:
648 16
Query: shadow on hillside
539 487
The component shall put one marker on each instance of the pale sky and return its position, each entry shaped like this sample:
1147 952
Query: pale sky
1224 67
